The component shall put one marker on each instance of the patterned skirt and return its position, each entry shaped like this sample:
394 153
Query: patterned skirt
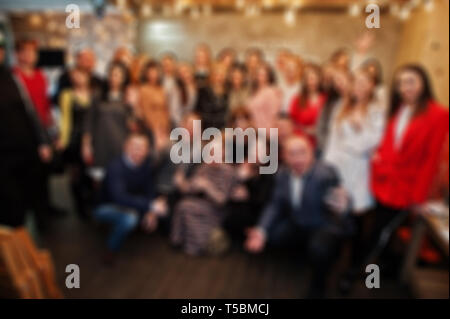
193 221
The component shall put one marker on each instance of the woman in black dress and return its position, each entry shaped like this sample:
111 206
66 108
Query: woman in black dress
212 100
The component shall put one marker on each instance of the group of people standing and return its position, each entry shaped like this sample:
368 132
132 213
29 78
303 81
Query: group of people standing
348 149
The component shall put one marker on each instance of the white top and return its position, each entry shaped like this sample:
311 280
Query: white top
289 92
350 150
296 188
402 124
173 99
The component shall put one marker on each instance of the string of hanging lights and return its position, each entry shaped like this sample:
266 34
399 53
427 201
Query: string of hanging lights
290 9
253 8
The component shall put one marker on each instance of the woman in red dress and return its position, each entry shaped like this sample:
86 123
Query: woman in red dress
305 108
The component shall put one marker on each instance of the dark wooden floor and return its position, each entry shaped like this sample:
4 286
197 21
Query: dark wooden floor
148 267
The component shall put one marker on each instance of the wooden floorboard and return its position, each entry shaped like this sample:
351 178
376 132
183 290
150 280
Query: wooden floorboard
148 267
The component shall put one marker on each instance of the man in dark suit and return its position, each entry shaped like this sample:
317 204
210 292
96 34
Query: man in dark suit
307 207
24 148
128 195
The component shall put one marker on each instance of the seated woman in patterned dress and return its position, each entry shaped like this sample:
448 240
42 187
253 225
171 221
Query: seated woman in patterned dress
198 217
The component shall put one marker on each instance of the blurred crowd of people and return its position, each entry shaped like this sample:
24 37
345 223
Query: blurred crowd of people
350 151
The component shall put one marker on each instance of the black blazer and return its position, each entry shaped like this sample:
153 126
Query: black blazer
20 129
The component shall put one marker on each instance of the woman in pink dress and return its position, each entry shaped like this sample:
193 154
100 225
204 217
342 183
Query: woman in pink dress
264 104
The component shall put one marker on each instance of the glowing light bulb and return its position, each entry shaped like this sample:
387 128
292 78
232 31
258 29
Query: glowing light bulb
35 20
268 4
240 4
354 10
146 10
179 7
290 17
429 6
297 4
405 13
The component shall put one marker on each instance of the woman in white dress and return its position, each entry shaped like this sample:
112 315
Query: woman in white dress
357 126
356 129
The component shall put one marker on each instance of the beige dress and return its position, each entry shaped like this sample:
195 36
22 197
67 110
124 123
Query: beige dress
155 113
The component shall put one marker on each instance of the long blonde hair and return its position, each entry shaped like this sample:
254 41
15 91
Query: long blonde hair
349 102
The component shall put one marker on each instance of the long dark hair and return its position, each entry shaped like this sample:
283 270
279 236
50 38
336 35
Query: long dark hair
305 94
151 65
237 67
182 90
125 82
271 78
425 96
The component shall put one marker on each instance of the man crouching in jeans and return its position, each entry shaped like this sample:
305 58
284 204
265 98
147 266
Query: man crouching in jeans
128 196
308 207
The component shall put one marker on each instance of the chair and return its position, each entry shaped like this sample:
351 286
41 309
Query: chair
25 271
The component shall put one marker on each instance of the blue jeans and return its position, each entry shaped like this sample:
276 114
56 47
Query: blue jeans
122 220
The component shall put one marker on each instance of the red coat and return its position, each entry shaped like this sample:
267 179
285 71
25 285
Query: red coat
403 177
36 87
